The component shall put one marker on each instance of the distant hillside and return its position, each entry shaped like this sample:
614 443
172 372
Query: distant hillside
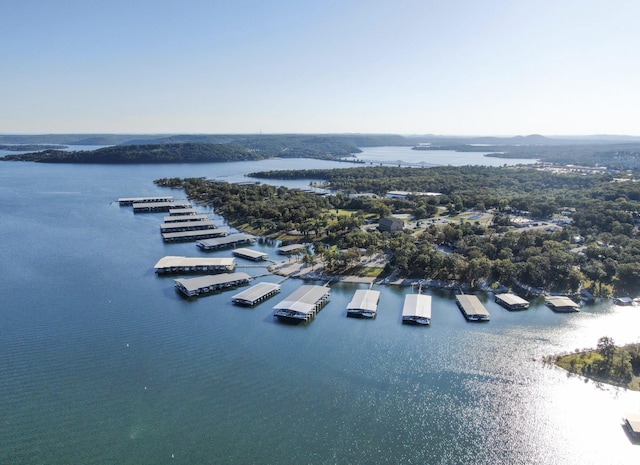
134 154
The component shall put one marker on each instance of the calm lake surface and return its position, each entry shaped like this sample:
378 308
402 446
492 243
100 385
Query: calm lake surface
102 362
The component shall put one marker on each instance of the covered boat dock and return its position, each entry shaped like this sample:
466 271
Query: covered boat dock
632 425
128 201
250 254
182 211
290 249
185 236
364 304
175 264
182 218
149 207
197 225
472 308
256 294
225 242
562 304
303 304
417 309
194 287
511 302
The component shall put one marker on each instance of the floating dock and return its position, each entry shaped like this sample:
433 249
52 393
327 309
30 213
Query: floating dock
256 294
417 309
511 302
250 254
150 207
472 308
128 201
632 425
303 304
185 236
225 242
182 211
561 304
364 304
194 287
175 264
187 226
290 249
184 218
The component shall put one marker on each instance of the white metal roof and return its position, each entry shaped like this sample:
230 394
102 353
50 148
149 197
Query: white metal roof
250 253
175 261
512 299
193 284
472 305
257 291
417 305
304 299
364 299
561 301
634 421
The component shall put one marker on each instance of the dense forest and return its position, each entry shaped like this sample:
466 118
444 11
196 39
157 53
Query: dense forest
597 247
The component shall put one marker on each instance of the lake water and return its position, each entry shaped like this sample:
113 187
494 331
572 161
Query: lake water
102 362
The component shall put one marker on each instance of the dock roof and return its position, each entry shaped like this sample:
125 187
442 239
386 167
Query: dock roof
304 299
511 299
193 284
633 419
471 305
418 305
169 236
364 299
250 253
179 218
171 261
286 249
227 240
561 301
256 292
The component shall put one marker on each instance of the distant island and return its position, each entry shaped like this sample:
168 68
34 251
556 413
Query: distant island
30 147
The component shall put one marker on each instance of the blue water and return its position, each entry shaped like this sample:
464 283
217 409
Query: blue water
102 362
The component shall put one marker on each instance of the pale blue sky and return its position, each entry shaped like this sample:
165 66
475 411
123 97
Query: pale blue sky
499 67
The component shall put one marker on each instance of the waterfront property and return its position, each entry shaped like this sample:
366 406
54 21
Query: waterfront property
225 242
256 294
194 287
175 264
150 207
303 304
183 218
291 249
511 301
198 225
417 309
250 254
632 425
472 308
364 304
562 304
128 201
185 236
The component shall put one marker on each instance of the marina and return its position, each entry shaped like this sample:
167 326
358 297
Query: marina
364 304
511 302
175 264
152 207
129 201
186 236
417 309
303 304
225 242
256 294
194 287
198 225
472 308
561 304
250 254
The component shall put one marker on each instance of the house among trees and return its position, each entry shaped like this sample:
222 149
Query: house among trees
390 224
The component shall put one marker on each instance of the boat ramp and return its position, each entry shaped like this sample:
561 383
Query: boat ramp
194 287
256 294
225 242
175 264
185 236
417 309
511 302
303 304
364 304
250 254
561 304
472 308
